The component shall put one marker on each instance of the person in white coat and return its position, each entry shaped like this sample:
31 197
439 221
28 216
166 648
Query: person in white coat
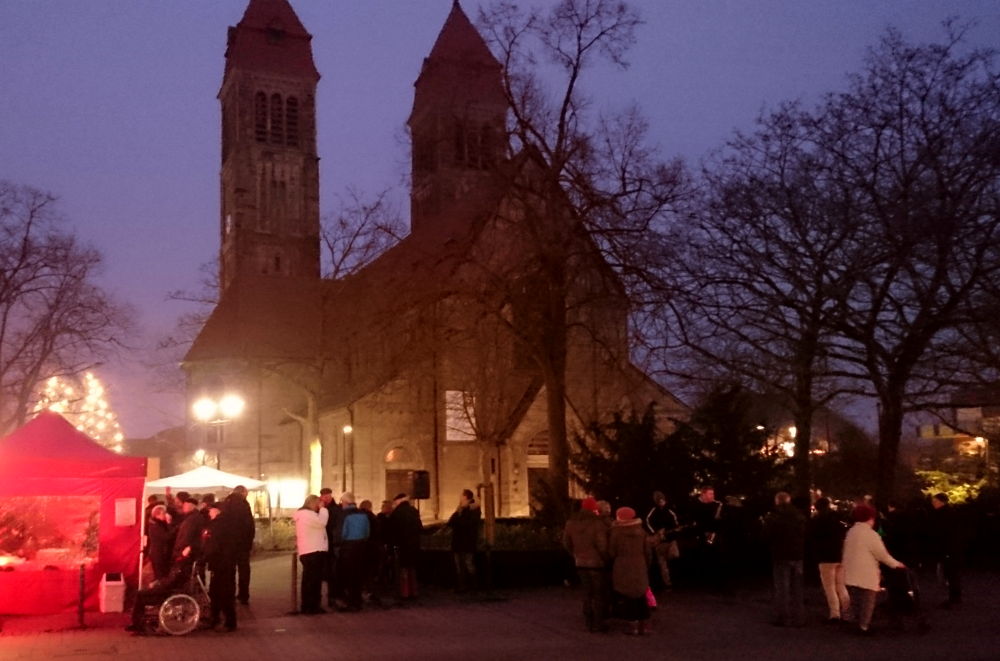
863 551
312 543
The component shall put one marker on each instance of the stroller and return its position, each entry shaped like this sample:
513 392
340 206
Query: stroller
903 588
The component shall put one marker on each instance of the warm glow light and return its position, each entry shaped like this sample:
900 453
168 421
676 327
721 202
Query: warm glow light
788 448
348 429
981 440
792 431
759 427
288 493
199 456
204 409
231 406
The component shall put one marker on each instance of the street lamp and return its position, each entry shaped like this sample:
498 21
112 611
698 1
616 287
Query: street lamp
217 413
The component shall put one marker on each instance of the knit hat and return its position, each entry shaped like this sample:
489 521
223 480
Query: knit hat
589 504
863 513
625 514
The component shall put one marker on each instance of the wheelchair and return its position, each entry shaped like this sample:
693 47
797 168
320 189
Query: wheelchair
181 611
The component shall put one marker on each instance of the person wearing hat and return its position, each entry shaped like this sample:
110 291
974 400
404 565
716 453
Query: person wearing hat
863 551
586 538
629 547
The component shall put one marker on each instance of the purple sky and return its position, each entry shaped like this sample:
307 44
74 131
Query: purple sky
110 104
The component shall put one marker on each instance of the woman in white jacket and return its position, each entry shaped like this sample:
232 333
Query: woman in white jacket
863 551
310 536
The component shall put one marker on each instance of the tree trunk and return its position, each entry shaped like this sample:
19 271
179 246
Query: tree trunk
802 461
890 426
555 394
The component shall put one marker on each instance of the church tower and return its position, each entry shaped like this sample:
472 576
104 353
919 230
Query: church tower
458 122
270 171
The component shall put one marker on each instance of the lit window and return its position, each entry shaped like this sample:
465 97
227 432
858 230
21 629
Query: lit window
460 416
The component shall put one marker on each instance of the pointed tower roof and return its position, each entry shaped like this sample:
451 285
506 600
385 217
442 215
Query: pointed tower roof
460 69
459 40
271 38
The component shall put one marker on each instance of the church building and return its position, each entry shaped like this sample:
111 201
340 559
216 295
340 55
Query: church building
419 373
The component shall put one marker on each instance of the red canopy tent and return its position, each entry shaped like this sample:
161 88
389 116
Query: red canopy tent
76 489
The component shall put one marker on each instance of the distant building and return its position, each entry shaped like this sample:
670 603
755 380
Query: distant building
414 363
960 439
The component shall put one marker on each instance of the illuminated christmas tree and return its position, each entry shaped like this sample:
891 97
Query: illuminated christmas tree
85 405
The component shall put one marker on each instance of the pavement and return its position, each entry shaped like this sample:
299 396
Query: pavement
532 624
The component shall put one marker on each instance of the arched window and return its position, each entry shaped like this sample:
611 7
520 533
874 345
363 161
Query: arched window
277 125
260 117
292 121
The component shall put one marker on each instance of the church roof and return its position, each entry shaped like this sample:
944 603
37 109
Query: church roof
270 38
459 70
261 317
460 41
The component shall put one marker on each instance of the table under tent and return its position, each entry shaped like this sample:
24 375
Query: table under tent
70 514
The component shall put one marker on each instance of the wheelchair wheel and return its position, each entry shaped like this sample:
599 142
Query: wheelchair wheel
179 614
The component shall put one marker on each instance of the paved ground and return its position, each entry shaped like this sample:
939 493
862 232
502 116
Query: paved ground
529 624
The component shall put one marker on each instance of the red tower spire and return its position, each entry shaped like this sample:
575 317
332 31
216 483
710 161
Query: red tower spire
271 38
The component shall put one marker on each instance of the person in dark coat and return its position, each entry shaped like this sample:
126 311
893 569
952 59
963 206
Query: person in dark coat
161 541
187 544
355 533
374 555
245 530
586 538
947 538
334 530
785 530
825 535
464 524
406 528
662 523
221 549
630 549
706 526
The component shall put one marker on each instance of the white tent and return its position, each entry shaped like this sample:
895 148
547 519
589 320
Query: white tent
204 477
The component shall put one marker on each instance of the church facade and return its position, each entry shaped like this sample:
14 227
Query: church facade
425 363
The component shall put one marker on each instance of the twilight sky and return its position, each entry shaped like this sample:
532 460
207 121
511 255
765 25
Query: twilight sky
110 105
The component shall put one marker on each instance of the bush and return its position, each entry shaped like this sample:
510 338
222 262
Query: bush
278 536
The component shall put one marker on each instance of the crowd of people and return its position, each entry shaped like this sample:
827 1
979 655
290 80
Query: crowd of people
858 553
187 534
859 556
364 557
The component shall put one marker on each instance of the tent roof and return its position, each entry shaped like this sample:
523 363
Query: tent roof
49 446
205 477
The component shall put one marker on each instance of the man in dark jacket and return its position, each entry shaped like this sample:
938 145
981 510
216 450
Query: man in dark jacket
222 548
586 538
785 530
661 522
354 535
947 535
334 529
245 530
187 544
405 530
826 533
464 524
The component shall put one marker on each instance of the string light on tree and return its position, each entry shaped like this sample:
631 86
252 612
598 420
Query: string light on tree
86 406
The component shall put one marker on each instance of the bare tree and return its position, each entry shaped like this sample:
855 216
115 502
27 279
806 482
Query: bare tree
913 144
584 196
54 319
757 272
359 232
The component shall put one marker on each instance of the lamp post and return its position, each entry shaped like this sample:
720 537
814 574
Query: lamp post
216 413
